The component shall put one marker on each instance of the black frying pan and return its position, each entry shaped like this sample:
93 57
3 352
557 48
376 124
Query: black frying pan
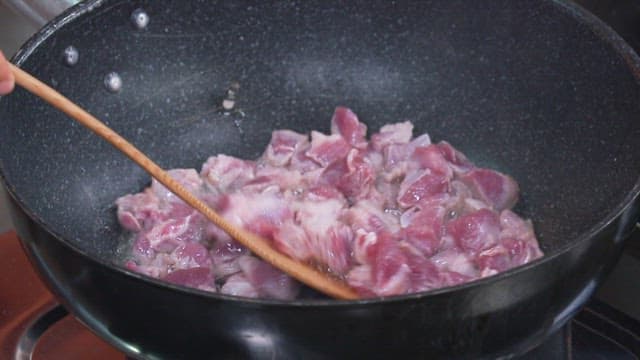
537 89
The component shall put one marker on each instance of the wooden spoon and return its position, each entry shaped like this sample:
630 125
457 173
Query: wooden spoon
259 246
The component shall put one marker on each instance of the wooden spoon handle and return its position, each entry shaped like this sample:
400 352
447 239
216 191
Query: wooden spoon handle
259 246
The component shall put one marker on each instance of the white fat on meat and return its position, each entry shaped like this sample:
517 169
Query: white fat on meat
226 173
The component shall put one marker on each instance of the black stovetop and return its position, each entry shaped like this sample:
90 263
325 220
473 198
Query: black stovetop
598 332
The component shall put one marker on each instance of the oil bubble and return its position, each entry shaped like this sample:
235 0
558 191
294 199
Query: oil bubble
140 19
70 56
113 82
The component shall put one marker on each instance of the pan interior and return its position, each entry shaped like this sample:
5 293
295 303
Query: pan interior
521 86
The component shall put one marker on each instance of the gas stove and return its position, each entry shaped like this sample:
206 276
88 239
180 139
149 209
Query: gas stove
34 326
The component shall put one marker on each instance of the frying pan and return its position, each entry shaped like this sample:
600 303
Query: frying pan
538 89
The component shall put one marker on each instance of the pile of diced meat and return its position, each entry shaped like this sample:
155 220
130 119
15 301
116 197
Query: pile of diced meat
390 215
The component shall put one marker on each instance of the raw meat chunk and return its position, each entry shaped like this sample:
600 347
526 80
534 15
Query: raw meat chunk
390 216
496 189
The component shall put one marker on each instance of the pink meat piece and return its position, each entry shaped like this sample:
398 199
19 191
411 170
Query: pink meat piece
361 280
261 184
452 278
239 285
367 216
422 228
456 260
141 248
213 233
326 149
430 157
385 270
136 212
261 213
475 231
354 176
345 123
392 216
160 264
455 201
329 250
227 173
284 144
509 254
427 275
374 158
267 280
513 226
131 265
421 141
461 200
397 154
392 134
364 246
265 225
358 176
335 250
275 177
385 194
188 178
156 267
496 189
395 160
165 236
313 178
292 240
421 185
177 209
332 174
324 192
521 251
473 205
457 160
424 274
128 221
493 260
224 257
301 162
518 246
391 273
191 254
328 239
196 277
